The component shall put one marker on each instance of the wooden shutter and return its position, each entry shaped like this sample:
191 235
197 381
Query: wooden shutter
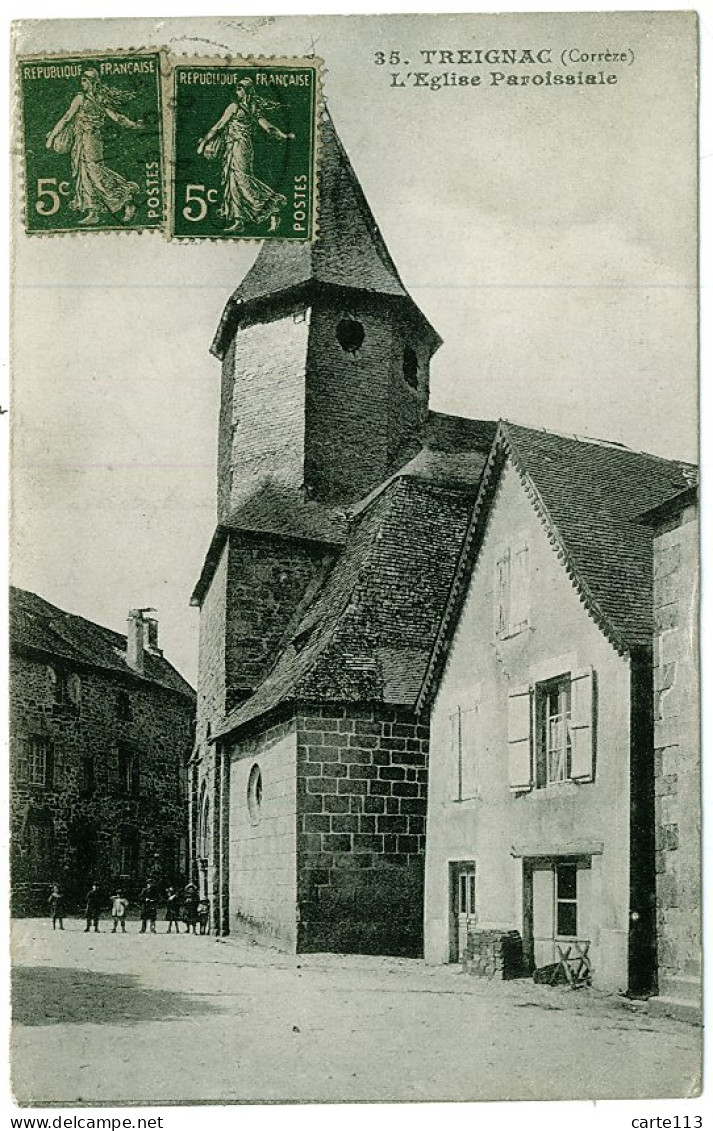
21 745
543 919
585 909
470 752
454 755
519 588
520 739
135 773
501 601
49 763
583 725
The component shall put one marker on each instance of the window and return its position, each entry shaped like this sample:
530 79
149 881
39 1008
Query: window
350 335
466 893
410 367
66 687
553 706
566 900
465 753
123 706
512 590
255 794
35 761
128 853
558 909
129 774
553 724
38 843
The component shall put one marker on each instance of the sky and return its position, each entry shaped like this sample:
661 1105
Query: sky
549 234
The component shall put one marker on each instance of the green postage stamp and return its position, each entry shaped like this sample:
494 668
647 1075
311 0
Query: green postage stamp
245 149
93 142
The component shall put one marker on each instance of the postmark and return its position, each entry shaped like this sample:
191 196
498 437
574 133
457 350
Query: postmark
92 134
245 149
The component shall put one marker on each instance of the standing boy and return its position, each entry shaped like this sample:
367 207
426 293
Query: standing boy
118 911
56 907
93 908
148 908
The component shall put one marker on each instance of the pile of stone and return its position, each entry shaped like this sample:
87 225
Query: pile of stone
494 954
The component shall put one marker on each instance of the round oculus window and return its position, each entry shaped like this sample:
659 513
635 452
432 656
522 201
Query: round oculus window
350 335
255 793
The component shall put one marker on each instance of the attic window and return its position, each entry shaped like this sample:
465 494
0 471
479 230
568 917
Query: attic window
410 367
350 335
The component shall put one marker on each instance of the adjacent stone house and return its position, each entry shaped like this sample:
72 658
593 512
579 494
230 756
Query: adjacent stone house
677 758
101 729
541 779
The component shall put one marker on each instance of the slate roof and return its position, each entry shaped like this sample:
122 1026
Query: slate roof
592 498
272 506
37 625
454 456
368 634
349 251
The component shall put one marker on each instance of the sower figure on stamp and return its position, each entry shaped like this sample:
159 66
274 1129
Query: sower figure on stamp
190 908
56 902
246 199
148 908
173 908
118 911
93 908
97 188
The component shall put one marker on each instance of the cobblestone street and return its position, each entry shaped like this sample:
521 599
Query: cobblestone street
111 1019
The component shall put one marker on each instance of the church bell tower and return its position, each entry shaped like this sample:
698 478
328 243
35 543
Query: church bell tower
325 357
325 386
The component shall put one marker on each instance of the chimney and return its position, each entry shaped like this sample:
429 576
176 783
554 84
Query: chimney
151 638
141 632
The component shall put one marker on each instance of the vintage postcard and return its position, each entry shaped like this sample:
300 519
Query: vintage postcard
354 716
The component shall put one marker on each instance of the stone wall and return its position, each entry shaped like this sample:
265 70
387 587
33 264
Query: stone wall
261 840
677 749
84 811
362 417
361 787
262 417
267 578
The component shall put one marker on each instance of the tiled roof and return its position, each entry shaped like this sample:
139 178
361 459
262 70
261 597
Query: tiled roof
271 506
37 625
369 632
349 250
447 433
591 497
274 507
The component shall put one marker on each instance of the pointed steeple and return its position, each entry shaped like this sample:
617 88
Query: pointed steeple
349 253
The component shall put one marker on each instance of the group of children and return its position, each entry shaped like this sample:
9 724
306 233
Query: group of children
186 907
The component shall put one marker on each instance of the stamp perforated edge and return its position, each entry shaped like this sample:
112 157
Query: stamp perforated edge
18 135
306 61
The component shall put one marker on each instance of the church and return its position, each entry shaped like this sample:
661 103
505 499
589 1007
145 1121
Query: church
346 512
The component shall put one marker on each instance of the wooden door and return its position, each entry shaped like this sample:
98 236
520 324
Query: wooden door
462 900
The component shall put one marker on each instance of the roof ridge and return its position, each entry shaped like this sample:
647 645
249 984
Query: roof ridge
594 441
